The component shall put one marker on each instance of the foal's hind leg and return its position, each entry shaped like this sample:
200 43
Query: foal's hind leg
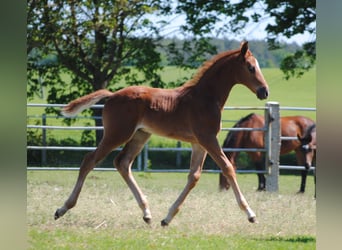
88 163
123 163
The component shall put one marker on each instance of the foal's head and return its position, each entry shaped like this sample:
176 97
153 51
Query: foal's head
308 145
250 74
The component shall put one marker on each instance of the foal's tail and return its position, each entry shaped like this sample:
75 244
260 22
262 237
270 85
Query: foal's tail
78 105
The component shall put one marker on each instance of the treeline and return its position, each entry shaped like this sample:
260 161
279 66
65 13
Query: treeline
267 58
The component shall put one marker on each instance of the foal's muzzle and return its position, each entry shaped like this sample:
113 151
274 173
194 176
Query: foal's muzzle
262 93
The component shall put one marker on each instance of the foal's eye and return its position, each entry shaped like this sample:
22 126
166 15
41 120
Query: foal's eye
251 68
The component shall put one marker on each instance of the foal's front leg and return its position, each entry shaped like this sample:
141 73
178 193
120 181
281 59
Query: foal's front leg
197 160
216 153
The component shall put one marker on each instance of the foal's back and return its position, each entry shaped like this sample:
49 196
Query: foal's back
153 110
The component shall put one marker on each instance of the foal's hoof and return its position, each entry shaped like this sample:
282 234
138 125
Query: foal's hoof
164 223
147 220
252 219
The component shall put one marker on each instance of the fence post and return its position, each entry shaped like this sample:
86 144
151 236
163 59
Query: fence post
146 157
139 162
272 142
44 140
178 155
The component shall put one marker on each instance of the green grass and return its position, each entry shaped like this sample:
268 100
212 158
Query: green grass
108 217
164 239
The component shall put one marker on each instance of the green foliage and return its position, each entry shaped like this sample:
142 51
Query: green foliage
299 62
288 18
175 54
91 42
60 157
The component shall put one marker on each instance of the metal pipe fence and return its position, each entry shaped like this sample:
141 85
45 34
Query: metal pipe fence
142 159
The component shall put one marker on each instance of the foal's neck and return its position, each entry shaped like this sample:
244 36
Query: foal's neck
217 82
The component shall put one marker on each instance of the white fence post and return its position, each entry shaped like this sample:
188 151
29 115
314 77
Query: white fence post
272 142
44 140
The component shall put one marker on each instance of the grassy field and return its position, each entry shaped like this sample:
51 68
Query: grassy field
107 216
297 92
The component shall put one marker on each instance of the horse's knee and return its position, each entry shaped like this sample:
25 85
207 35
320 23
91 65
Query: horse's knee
196 177
229 172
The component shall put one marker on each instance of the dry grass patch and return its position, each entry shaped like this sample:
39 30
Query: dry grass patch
106 208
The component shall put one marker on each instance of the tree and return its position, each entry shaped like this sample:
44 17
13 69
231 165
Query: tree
294 17
285 18
94 42
91 41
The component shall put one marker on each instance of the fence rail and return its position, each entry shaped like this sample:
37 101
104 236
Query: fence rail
272 158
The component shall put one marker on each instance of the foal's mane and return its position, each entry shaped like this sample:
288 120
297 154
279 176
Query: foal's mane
208 65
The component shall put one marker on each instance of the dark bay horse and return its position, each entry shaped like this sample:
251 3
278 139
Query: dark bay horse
291 126
191 113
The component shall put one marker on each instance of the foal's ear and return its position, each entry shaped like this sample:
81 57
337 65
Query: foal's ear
243 50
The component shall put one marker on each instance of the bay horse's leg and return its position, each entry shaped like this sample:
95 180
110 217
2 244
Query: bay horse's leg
197 159
301 162
258 159
88 163
261 177
217 154
315 181
303 181
123 162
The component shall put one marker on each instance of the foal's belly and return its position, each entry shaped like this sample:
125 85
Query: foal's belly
169 130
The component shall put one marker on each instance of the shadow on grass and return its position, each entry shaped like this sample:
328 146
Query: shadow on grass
294 239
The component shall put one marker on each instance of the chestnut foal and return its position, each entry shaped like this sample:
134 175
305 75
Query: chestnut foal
191 113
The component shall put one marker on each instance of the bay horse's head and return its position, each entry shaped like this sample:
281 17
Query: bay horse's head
250 74
308 145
